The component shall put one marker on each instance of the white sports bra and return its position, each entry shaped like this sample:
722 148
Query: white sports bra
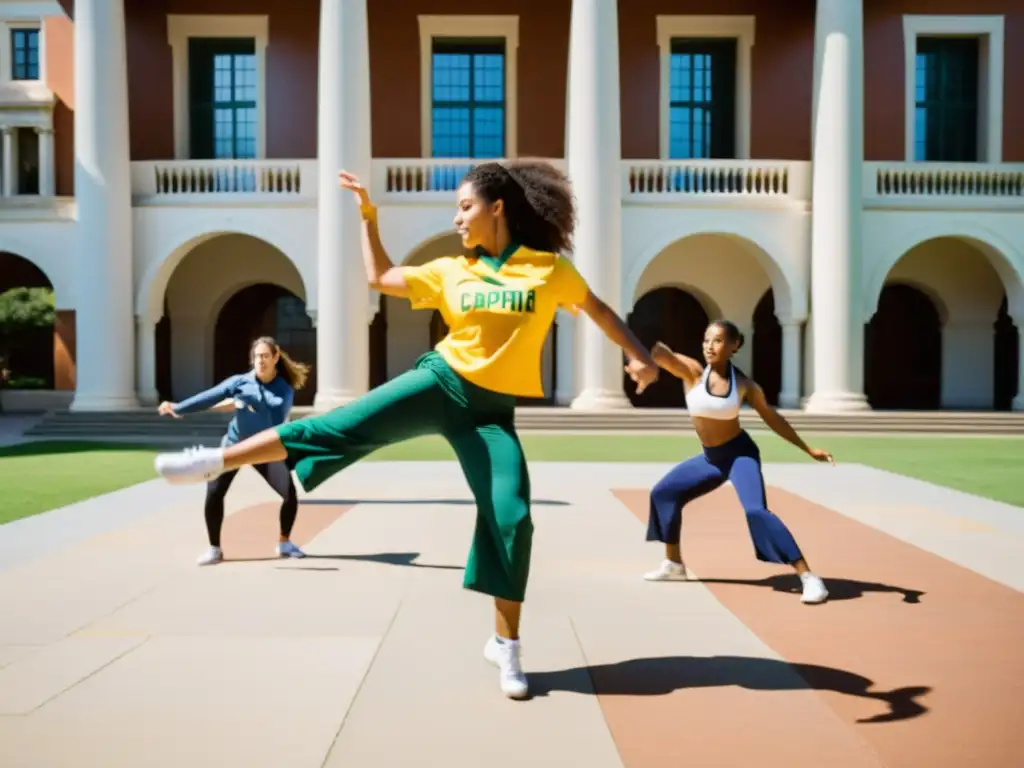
701 403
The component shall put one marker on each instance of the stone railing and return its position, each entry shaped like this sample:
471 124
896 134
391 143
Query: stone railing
252 181
739 183
728 182
944 185
412 180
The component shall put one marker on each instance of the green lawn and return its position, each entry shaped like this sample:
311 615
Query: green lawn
35 477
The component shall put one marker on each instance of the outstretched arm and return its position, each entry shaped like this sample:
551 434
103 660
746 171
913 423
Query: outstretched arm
212 397
778 424
680 366
381 274
642 367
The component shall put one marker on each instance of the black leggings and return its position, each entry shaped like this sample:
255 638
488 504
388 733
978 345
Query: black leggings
276 474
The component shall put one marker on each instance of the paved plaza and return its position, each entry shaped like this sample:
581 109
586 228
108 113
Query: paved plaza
116 650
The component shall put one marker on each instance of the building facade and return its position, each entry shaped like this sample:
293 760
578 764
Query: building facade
844 179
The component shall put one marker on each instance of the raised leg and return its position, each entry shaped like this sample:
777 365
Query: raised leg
317 447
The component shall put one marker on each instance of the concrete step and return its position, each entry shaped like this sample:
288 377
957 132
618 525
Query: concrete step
145 423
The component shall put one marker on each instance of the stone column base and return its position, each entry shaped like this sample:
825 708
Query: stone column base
87 402
836 402
600 400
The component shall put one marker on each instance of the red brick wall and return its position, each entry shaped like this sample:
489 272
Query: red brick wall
883 71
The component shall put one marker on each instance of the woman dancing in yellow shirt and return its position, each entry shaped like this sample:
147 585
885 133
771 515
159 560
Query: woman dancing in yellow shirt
499 304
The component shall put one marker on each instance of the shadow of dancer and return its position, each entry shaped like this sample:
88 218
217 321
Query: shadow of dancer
404 559
662 675
838 589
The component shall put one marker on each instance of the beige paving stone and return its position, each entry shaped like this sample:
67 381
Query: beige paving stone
40 676
11 653
432 699
199 701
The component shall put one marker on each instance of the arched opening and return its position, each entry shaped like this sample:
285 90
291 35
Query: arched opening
726 276
767 348
224 293
32 354
264 309
963 281
1006 360
677 318
903 351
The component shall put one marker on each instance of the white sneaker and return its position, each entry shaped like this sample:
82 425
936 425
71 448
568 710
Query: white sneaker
505 656
287 549
193 465
814 589
668 571
211 556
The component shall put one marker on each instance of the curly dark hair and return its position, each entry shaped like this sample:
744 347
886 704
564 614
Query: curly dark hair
539 204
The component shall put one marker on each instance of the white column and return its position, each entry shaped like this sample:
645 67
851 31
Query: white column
565 352
8 170
1018 401
145 355
103 263
46 162
594 154
838 139
343 139
789 397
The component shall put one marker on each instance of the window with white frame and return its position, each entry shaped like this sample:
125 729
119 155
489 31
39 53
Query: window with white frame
468 86
705 86
222 98
954 88
702 98
468 98
24 53
27 117
219 65
946 99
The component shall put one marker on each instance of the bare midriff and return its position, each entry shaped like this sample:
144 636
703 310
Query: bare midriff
714 432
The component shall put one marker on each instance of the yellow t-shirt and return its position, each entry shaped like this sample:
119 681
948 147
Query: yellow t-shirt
498 312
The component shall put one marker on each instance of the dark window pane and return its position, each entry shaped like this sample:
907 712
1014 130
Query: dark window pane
468 98
24 54
702 94
222 94
946 99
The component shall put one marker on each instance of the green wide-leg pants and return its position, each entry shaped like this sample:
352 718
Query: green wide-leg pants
431 399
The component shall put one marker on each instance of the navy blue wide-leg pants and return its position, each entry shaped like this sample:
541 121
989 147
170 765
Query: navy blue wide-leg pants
738 461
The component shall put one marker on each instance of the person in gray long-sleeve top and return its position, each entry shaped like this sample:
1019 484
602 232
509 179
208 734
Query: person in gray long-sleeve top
260 398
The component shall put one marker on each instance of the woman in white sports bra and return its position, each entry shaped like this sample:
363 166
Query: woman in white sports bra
714 394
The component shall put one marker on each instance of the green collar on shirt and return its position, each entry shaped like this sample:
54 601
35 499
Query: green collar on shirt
496 262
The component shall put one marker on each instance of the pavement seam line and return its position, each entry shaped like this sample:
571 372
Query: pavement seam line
597 696
362 682
92 674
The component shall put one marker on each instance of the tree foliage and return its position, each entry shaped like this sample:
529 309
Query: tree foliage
24 309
